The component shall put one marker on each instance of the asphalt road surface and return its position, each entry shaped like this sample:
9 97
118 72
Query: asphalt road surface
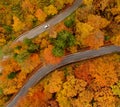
35 32
43 71
45 26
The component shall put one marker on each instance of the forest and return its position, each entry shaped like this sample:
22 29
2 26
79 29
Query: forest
90 83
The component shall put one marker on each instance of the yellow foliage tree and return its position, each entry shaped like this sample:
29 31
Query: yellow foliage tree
84 99
50 10
97 21
83 30
104 98
54 84
2 39
70 89
88 3
116 40
17 25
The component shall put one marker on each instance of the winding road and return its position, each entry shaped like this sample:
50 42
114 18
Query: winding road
45 26
43 71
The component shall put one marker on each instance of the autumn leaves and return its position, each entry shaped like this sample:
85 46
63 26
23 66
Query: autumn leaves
92 25
19 16
89 83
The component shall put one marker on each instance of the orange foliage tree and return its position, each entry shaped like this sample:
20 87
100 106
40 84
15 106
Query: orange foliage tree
37 95
49 57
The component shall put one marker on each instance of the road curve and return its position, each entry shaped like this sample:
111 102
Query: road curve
45 26
43 71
